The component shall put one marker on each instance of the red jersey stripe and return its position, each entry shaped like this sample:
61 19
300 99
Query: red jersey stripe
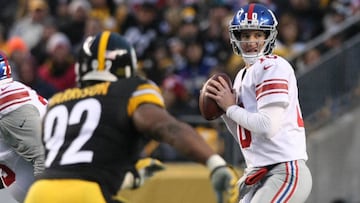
271 80
274 92
274 86
11 97
14 103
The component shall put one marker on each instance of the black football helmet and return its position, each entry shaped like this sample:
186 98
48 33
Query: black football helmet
106 56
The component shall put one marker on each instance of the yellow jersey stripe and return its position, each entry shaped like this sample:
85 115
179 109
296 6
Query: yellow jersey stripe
145 94
104 39
149 86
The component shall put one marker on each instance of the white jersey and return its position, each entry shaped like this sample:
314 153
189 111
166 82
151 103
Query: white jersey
270 80
15 94
12 96
20 149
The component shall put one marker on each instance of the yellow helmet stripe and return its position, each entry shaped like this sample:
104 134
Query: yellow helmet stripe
104 39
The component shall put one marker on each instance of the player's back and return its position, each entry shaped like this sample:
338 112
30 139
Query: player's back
14 95
90 130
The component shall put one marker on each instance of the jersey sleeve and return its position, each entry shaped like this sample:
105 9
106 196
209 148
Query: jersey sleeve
147 92
272 81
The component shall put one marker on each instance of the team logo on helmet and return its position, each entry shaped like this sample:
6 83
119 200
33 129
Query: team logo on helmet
5 69
106 57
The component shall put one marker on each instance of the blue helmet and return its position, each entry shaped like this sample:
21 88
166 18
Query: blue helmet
5 69
253 17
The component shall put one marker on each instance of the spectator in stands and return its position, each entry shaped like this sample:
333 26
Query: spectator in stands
158 63
307 61
2 37
195 70
176 96
104 10
228 61
213 38
92 27
39 50
171 21
141 28
30 27
27 75
189 29
16 50
59 10
288 42
308 13
74 28
121 12
8 13
59 69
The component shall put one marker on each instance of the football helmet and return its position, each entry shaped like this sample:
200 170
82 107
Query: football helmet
106 56
253 17
5 69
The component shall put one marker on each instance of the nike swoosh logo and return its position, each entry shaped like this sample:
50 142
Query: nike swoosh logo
22 124
267 67
4 88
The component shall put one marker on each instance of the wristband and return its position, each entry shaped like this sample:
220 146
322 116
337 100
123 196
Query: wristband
215 161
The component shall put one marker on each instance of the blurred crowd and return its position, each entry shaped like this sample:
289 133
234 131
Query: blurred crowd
178 43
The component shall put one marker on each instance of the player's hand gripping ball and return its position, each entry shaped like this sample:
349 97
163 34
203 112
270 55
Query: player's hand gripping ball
209 109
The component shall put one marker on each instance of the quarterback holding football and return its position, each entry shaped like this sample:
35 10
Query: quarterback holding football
263 113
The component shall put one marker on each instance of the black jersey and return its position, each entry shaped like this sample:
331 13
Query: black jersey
89 134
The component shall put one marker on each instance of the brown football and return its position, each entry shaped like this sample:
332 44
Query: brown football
208 107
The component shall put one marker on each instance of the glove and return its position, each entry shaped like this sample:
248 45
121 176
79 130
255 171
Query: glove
232 193
147 167
224 180
7 176
144 169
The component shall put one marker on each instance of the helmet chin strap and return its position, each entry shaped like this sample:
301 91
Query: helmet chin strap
251 59
248 58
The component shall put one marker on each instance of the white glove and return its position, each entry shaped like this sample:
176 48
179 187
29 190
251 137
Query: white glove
223 178
145 168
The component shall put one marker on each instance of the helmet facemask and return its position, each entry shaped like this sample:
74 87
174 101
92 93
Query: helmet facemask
265 47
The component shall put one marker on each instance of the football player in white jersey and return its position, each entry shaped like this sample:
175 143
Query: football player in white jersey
263 113
21 149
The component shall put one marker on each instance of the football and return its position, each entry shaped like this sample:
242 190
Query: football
208 107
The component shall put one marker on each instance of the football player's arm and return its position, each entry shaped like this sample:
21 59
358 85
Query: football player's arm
230 124
156 122
267 121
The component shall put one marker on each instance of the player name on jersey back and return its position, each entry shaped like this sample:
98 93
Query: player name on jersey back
77 93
